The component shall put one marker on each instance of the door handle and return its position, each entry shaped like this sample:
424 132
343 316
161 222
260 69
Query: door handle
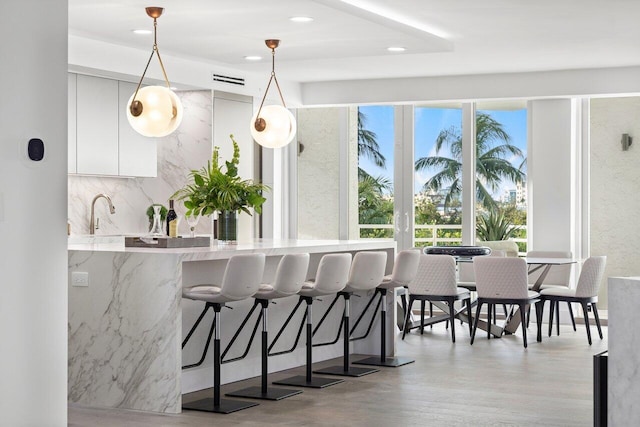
397 221
406 222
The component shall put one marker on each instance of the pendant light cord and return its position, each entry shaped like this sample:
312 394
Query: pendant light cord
274 78
157 52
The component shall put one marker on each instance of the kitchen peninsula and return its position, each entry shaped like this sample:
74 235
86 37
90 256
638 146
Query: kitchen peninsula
126 326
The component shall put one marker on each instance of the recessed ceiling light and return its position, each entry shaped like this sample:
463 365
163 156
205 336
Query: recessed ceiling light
253 58
396 49
142 31
301 19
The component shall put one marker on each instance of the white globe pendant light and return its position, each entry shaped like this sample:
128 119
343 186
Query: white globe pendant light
154 111
273 126
280 127
161 114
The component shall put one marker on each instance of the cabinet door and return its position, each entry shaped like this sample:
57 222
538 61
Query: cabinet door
137 154
71 122
97 125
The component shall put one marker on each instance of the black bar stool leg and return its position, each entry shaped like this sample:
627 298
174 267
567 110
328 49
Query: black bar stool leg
393 362
308 380
264 392
217 404
346 370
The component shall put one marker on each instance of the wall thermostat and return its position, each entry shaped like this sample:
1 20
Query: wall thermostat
35 149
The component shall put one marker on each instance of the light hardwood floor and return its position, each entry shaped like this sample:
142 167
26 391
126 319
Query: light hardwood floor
492 383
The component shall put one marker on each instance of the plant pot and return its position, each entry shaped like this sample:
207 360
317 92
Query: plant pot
227 226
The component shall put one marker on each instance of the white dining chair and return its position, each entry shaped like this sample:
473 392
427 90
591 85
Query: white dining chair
585 293
436 281
558 276
467 278
503 281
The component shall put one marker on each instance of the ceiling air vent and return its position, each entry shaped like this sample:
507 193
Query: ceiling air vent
228 79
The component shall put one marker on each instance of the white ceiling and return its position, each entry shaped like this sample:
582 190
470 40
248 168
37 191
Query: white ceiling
348 38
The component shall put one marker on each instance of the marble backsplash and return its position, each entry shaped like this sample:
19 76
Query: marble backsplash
186 149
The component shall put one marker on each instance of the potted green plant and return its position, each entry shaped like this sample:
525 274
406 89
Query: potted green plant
218 188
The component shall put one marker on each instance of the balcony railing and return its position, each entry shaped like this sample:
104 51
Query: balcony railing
436 234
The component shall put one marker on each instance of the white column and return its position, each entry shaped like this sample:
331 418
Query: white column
468 174
552 180
403 176
33 211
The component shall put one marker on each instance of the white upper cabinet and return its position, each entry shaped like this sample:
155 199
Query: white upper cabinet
71 122
97 125
101 141
137 154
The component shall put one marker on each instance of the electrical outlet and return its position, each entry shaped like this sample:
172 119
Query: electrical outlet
79 278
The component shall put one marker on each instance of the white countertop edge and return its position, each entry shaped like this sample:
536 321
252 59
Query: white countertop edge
268 246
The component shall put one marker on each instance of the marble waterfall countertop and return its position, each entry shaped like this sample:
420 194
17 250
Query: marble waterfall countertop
126 326
624 352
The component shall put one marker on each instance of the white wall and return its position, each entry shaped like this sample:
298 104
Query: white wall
186 149
33 255
615 180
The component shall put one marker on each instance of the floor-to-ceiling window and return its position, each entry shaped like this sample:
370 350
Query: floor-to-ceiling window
501 172
351 159
438 171
376 140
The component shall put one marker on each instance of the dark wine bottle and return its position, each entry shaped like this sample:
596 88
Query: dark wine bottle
172 217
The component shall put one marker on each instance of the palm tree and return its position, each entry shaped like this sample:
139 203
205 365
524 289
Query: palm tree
368 145
493 146
373 207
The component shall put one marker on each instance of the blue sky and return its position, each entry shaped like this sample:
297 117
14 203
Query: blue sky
429 122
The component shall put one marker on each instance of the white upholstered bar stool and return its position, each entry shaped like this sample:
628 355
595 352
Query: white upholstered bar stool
404 270
290 275
331 278
367 271
241 280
